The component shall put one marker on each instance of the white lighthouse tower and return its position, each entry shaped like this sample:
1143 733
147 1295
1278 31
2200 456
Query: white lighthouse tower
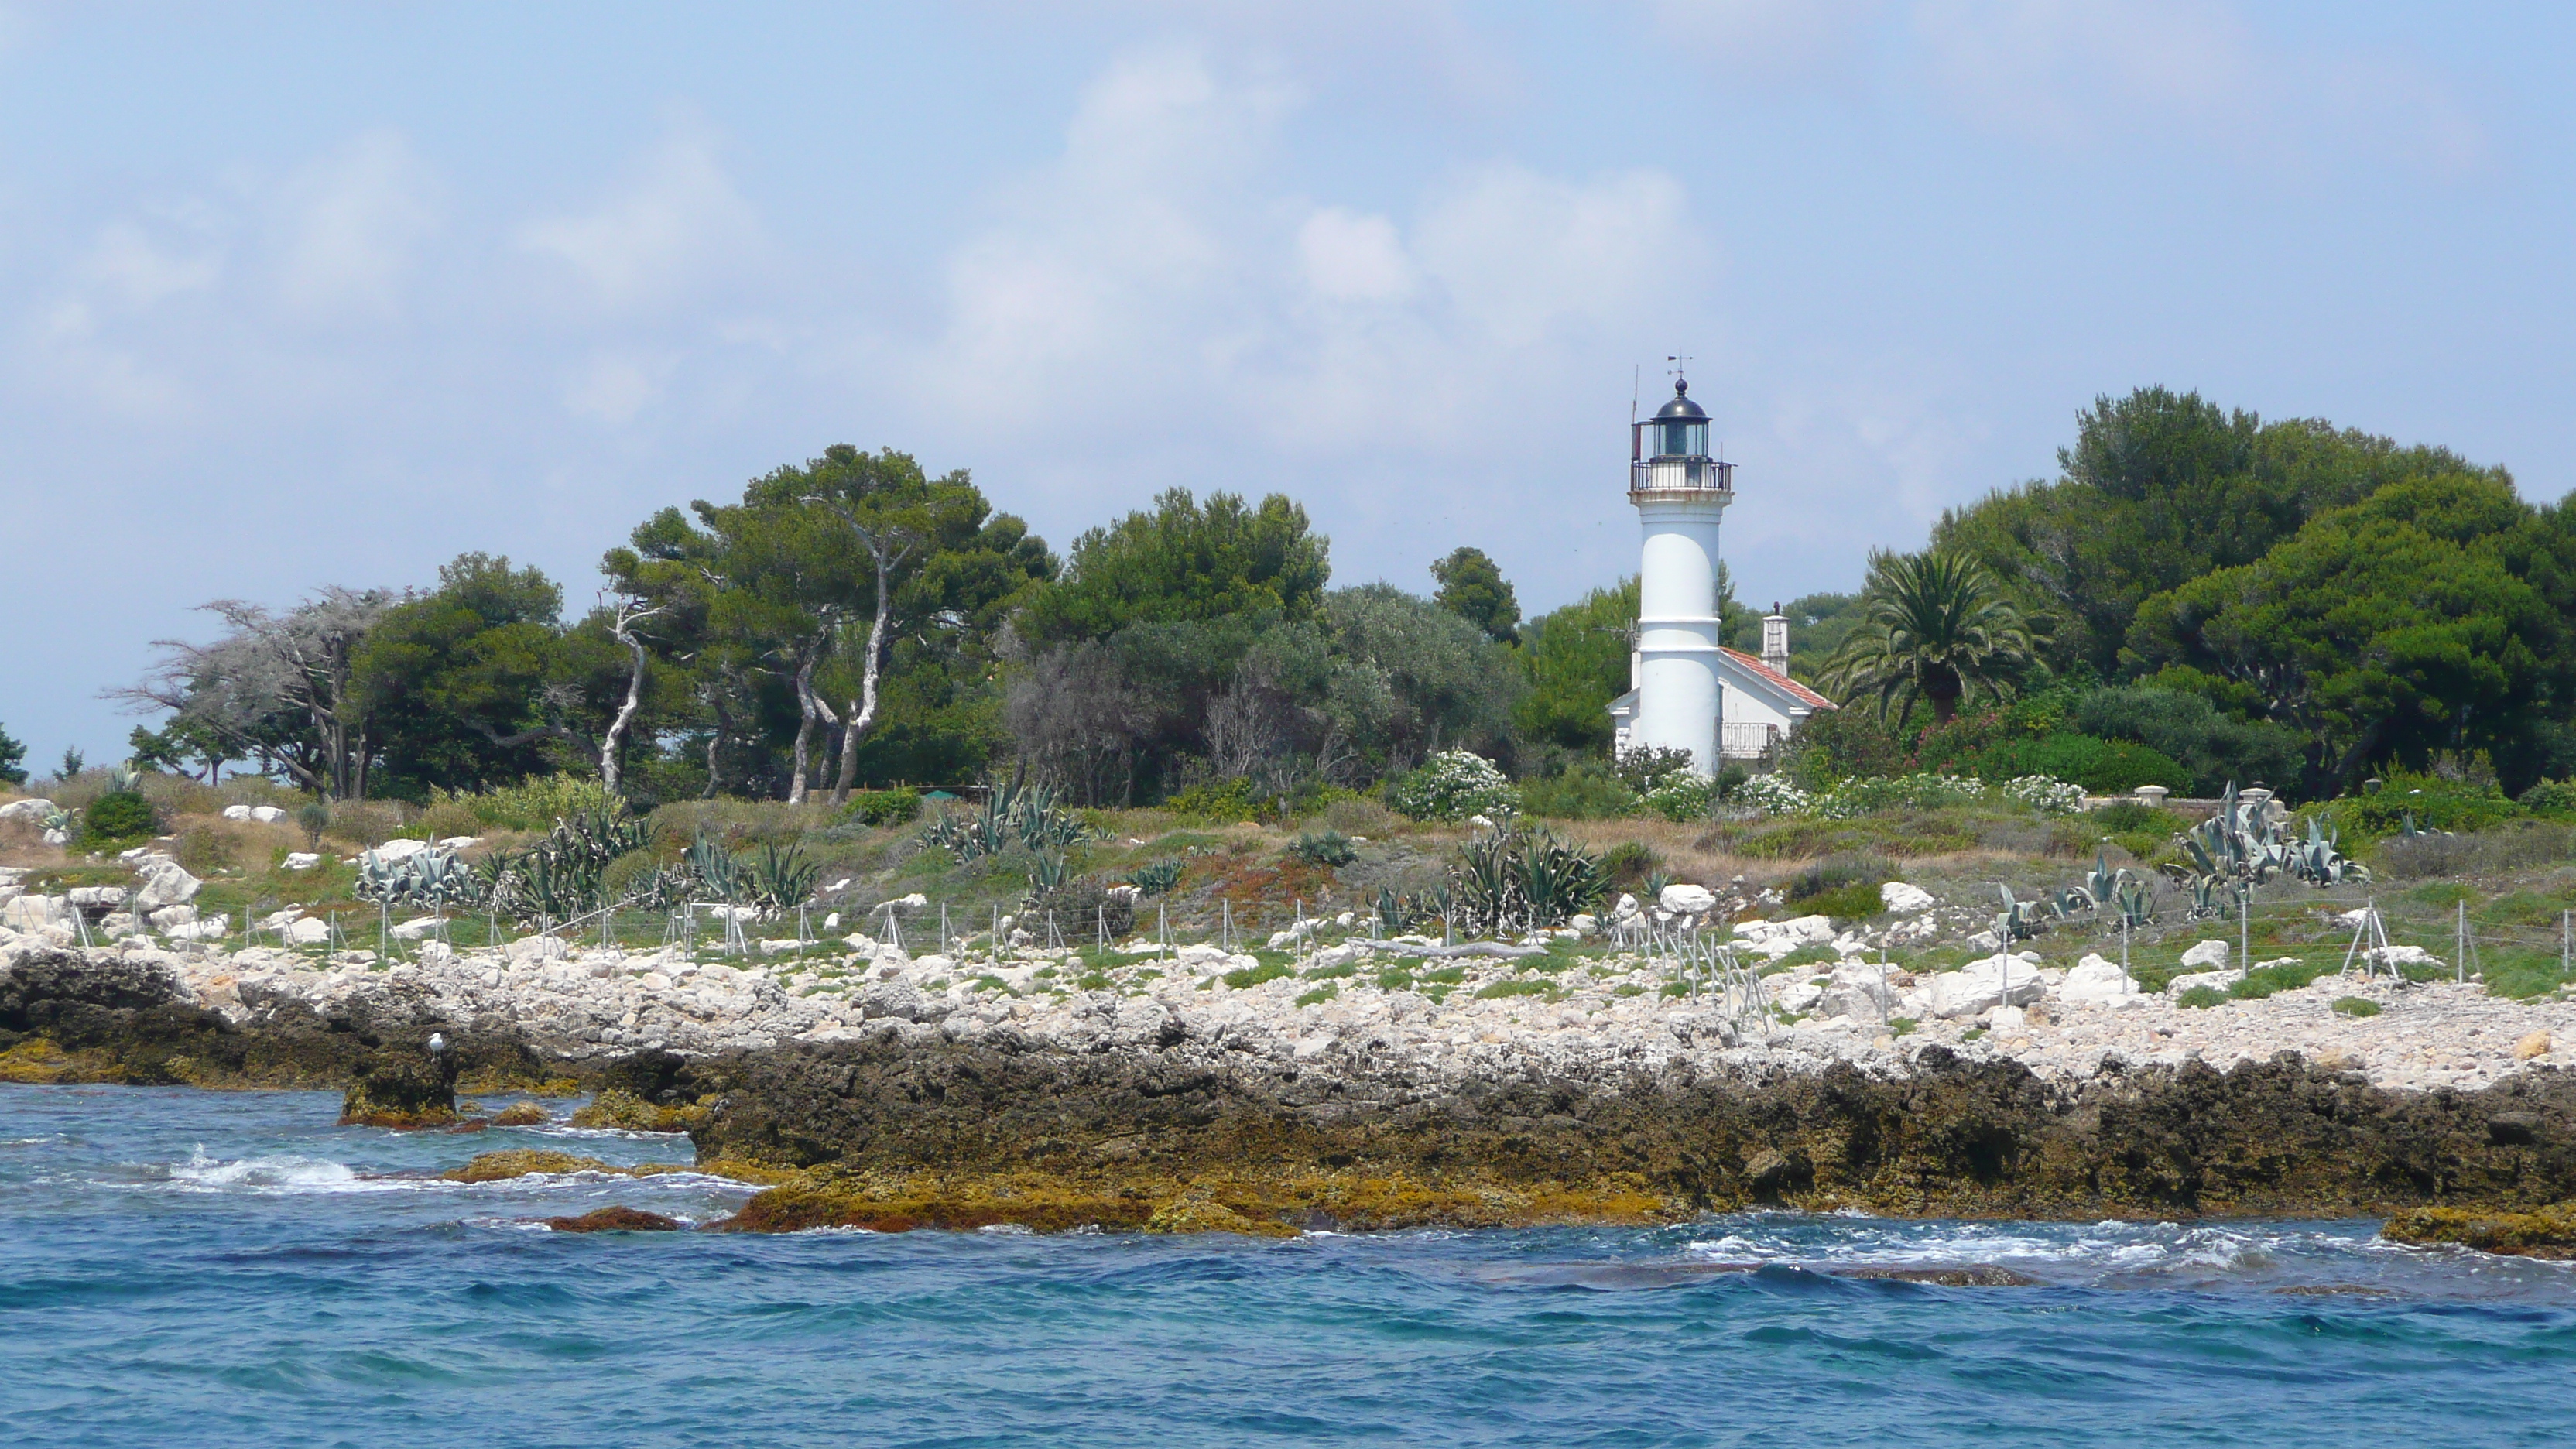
1680 493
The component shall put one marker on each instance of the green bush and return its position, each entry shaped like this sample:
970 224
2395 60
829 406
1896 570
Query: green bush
2354 1006
1682 797
2551 799
535 803
1217 802
1628 862
366 823
2202 996
2430 801
883 807
447 820
1837 872
1855 902
1586 791
2102 767
117 817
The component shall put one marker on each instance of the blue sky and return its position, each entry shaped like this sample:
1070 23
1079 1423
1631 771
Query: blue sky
295 295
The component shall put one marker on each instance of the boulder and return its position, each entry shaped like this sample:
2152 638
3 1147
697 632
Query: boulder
301 860
2401 956
1981 986
530 950
1627 910
1905 900
94 901
31 811
2211 954
395 850
236 812
206 928
1778 938
34 913
164 885
308 931
1687 900
403 1089
459 842
267 814
1799 999
2534 1044
2097 981
1583 923
417 927
2217 981
170 918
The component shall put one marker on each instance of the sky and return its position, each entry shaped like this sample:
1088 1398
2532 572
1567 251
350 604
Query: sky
300 295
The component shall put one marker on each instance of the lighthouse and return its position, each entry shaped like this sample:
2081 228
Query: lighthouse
1681 493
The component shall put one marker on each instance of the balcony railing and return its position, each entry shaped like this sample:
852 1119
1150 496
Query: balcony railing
1746 741
1661 475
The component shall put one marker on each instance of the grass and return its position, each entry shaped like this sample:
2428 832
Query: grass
2202 997
1901 1025
1858 901
2354 1006
1815 955
2264 981
1320 994
1499 989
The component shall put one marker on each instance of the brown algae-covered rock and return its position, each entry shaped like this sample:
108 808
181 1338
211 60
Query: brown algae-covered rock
521 1114
622 1109
614 1220
2549 1232
403 1090
522 1162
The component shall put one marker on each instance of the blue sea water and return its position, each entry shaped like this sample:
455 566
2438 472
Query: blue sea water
182 1268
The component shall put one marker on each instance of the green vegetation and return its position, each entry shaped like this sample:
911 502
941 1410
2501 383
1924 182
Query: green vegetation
2202 997
119 817
1937 628
2354 1006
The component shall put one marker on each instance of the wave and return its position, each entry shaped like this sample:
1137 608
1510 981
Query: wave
286 1173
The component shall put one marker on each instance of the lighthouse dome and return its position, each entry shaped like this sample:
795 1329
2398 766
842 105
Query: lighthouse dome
1681 409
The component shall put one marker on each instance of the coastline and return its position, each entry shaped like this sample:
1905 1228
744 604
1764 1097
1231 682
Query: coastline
1161 1125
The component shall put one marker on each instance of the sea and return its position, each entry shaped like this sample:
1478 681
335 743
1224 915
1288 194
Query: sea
218 1268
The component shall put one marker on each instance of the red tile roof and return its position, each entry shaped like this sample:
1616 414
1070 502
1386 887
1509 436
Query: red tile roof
1796 690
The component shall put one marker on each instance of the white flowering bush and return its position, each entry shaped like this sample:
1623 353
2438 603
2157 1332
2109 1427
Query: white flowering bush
1681 795
1773 794
1921 791
2045 794
1453 785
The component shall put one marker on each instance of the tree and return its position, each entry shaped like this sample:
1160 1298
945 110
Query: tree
277 687
1936 627
1183 561
2406 624
1407 679
2161 488
13 759
466 680
184 746
1576 661
1472 587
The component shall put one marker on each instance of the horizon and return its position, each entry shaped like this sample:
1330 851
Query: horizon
309 298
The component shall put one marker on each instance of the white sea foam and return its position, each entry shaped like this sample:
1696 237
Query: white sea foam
281 1174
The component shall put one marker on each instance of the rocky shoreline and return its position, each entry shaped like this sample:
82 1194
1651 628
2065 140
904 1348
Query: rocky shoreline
1163 1119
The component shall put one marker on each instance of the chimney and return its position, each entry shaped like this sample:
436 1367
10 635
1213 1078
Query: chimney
1775 641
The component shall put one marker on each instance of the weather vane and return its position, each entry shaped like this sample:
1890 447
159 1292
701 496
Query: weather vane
1679 361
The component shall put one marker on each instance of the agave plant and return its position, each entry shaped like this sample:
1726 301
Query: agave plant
1519 877
2015 922
782 878
713 868
1156 877
428 879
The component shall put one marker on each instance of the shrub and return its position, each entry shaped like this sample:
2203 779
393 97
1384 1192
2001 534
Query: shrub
2515 845
1627 862
1453 785
2429 801
313 818
2046 795
2105 767
1642 767
883 807
535 803
1585 791
1358 816
448 820
2354 1006
202 850
117 817
1683 796
2202 997
1216 802
1325 848
1774 795
2551 799
1156 877
629 875
366 823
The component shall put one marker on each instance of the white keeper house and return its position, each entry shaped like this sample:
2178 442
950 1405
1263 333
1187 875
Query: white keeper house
1688 691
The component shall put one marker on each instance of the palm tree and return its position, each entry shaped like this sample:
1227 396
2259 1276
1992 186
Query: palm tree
1934 626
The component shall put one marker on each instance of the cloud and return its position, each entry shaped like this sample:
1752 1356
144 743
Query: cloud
676 221
130 269
614 387
1348 257
351 223
2070 74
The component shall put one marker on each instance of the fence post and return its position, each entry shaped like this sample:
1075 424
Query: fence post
2460 943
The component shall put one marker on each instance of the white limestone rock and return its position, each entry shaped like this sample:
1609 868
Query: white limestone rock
236 812
165 884
34 913
308 931
398 850
2097 981
2214 980
300 860
2207 953
1687 900
267 814
1905 900
1981 986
